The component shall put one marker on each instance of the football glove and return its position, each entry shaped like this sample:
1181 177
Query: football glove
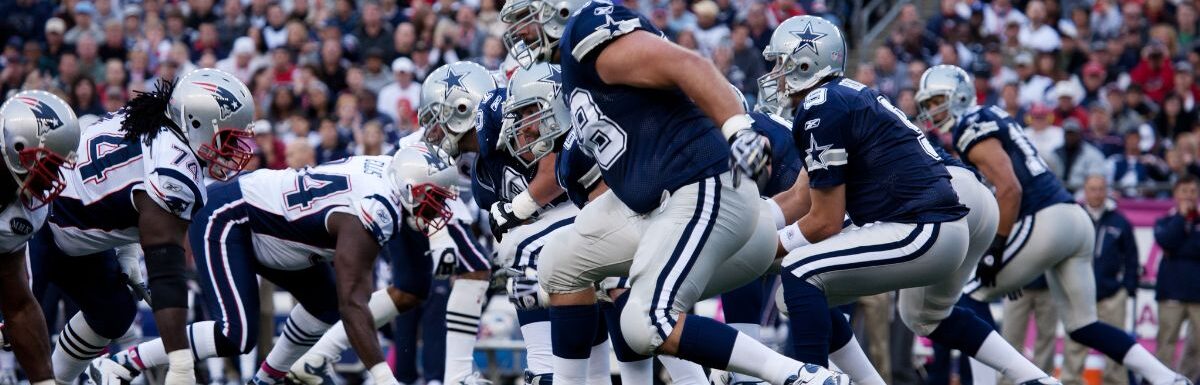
750 157
989 266
502 219
444 262
525 293
131 271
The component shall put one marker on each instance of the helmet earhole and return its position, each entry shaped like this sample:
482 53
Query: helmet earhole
195 123
803 67
462 108
19 146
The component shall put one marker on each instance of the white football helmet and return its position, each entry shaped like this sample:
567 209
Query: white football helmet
450 99
38 137
535 102
424 178
956 89
214 109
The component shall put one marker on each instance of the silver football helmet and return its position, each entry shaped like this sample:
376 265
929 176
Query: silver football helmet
769 101
38 137
544 19
424 178
805 50
955 87
214 110
450 98
536 115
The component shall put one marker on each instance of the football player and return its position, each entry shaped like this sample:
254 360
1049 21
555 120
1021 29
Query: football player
286 226
139 180
38 137
1041 228
645 110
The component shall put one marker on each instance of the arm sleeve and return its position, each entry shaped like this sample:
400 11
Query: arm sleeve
973 132
379 216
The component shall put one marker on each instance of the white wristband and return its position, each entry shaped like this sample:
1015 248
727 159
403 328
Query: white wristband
791 238
736 123
44 382
523 205
382 374
776 213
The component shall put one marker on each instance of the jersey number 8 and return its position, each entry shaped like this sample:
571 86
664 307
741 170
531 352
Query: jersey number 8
599 135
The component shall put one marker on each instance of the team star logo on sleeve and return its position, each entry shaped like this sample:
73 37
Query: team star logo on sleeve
613 27
808 39
822 157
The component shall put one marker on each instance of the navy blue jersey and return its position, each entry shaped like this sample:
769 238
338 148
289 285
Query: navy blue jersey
785 159
853 136
577 172
1039 187
497 175
645 141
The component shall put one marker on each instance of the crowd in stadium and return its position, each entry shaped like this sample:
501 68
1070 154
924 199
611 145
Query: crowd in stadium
1104 87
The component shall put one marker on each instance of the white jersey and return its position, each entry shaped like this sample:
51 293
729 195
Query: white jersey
96 212
289 208
18 223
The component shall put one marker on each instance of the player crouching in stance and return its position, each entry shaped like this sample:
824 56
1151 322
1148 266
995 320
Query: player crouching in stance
138 180
38 137
287 226
1041 228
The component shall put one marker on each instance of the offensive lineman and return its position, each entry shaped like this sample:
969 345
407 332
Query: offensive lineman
645 110
1041 228
38 137
147 158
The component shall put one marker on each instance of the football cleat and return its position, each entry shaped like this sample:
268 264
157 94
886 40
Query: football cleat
538 379
107 370
1043 381
1181 380
811 374
474 379
312 369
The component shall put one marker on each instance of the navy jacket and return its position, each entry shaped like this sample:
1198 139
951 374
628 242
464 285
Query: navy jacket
1116 254
1179 238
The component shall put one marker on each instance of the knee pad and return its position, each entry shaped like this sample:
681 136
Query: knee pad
638 327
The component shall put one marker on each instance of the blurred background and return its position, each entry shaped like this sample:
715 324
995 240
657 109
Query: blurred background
1107 90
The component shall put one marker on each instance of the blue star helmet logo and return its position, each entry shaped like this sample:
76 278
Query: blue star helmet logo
554 78
808 39
453 81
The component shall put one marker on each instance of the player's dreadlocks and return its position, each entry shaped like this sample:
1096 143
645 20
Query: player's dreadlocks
146 114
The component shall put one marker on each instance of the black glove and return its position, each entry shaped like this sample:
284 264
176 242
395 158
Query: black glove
444 262
989 266
502 219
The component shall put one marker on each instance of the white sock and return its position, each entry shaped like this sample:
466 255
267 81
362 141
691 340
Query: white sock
152 353
335 341
852 360
463 309
683 372
216 370
982 374
637 372
569 370
1142 362
301 331
77 345
753 358
754 331
598 370
998 354
539 353
246 365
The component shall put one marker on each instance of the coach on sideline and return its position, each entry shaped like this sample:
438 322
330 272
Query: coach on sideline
1178 289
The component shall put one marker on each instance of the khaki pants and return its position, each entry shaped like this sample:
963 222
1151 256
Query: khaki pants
1171 315
876 311
1040 305
1111 311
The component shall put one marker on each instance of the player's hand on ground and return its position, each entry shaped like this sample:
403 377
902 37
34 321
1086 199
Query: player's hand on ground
991 262
751 157
502 219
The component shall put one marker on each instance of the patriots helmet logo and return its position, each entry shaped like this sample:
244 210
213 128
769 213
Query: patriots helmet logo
45 116
433 159
226 100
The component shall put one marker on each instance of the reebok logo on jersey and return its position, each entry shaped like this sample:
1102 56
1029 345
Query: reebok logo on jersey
47 119
226 100
21 226
811 124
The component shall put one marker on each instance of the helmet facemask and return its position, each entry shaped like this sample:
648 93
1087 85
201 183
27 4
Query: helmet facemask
227 154
43 179
531 127
427 204
538 15
436 117
935 111
769 99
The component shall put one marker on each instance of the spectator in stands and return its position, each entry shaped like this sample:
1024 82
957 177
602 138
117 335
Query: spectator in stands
1172 119
1101 132
709 33
1094 77
1132 169
1178 290
243 61
332 70
374 33
1185 86
404 88
1116 269
301 154
1154 73
1076 159
1064 96
375 74
85 23
1042 132
1037 34
891 75
1124 119
114 41
271 150
1009 101
1033 86
84 98
749 59
984 94
998 14
332 145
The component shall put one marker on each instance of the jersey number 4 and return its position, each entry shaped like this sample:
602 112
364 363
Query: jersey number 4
314 187
105 154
